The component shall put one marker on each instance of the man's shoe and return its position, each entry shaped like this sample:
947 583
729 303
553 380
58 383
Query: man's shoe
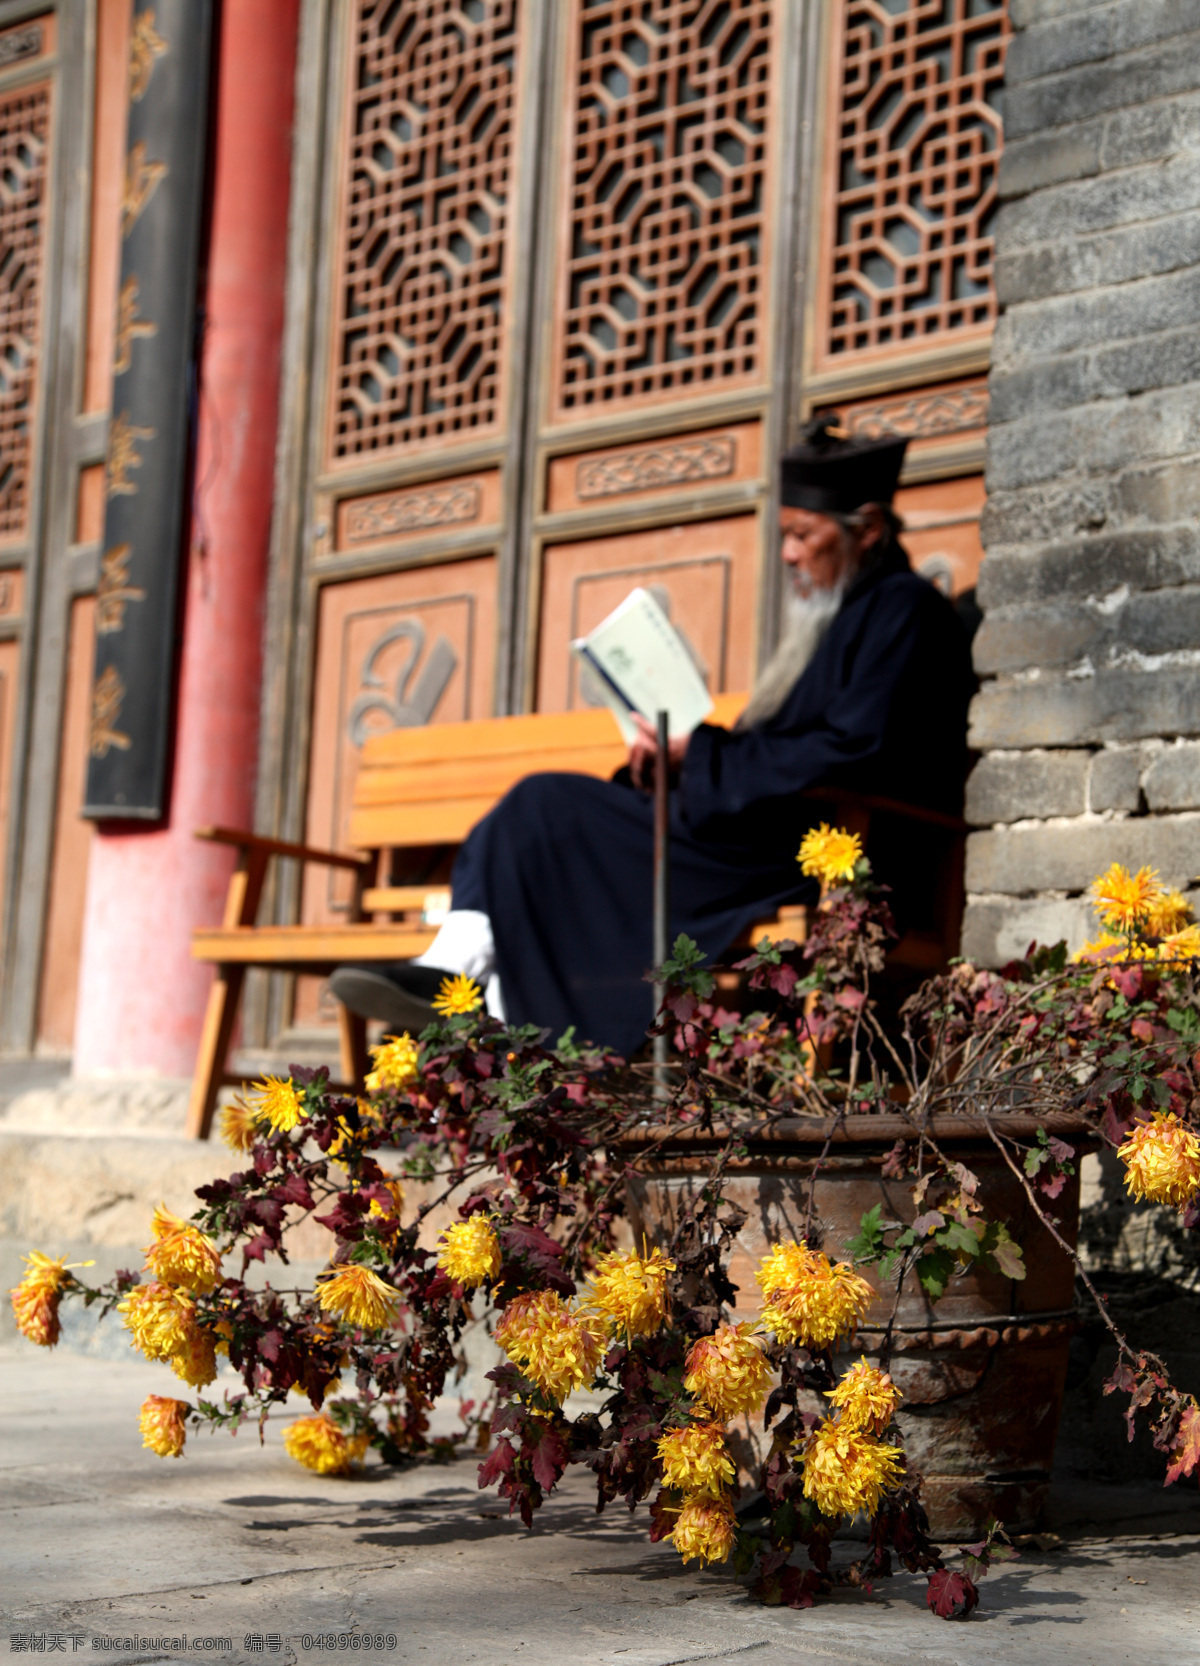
399 992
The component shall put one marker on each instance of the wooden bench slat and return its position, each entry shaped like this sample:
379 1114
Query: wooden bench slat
536 733
421 824
473 778
498 736
308 948
393 899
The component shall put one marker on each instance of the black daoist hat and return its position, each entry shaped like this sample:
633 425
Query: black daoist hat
836 477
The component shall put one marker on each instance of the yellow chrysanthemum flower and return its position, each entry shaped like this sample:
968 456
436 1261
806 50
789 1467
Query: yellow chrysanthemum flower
558 1347
160 1319
1104 947
847 1470
1124 900
706 1529
631 1291
696 1460
35 1300
279 1103
728 1371
1183 944
1162 1161
182 1254
1169 914
196 1362
810 1299
458 994
318 1444
395 1065
388 1217
358 1296
241 1125
866 1398
470 1251
163 1423
829 853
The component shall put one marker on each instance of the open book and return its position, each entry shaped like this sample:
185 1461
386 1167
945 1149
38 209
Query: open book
640 663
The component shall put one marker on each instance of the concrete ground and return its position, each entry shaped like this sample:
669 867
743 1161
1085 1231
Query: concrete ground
110 1549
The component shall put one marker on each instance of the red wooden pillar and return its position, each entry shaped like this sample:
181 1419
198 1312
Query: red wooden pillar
141 996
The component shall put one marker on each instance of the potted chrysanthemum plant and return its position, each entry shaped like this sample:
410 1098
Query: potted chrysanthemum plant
832 1215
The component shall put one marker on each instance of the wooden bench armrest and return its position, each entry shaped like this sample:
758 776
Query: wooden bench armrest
889 806
281 847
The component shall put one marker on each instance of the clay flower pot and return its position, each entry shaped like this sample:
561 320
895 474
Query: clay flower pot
984 1369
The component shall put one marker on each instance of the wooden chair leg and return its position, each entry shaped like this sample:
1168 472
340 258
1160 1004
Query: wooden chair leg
214 1047
352 1040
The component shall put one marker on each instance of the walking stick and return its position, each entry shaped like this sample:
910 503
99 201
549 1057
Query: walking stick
662 892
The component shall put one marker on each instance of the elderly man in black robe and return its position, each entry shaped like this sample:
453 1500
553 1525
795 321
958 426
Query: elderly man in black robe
868 690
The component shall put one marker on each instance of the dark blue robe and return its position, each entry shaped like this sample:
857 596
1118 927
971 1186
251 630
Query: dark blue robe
562 865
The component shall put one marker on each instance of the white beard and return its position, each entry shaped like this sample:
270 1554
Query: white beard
806 621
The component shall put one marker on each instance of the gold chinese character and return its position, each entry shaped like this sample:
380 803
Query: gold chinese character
124 455
108 696
114 590
142 180
130 323
145 46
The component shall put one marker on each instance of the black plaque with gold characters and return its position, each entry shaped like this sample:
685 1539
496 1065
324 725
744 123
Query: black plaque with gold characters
147 467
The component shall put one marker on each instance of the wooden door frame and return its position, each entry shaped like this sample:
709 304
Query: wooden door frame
57 570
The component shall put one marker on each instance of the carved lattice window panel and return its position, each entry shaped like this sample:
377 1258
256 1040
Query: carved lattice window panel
915 147
665 258
421 251
24 152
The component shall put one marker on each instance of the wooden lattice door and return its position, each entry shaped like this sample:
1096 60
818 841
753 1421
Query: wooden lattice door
656 411
899 333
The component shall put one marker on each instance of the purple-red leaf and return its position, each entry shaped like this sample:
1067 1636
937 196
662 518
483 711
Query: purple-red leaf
952 1596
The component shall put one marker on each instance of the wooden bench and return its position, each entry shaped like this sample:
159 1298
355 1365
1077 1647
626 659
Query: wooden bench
427 787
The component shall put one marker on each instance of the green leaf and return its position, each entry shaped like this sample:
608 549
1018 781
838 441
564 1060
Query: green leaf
685 967
890 1262
1186 1025
933 1271
868 1241
1005 1251
954 1236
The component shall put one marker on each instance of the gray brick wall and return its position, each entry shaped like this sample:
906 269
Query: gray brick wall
1088 716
